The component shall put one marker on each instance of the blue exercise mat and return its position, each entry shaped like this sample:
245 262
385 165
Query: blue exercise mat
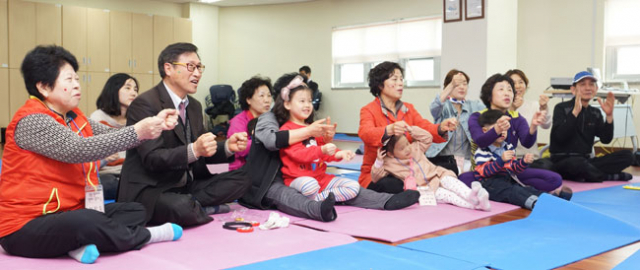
345 137
363 255
616 202
556 233
352 176
631 263
346 166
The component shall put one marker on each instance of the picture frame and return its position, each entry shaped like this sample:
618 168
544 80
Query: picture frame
474 9
452 10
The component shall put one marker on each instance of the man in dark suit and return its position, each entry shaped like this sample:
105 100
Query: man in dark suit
316 94
169 175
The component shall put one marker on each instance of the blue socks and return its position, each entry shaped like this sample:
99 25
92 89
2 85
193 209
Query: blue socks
165 232
85 254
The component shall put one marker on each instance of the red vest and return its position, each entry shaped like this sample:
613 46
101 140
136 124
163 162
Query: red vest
32 185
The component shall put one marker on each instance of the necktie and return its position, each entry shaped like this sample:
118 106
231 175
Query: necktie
183 113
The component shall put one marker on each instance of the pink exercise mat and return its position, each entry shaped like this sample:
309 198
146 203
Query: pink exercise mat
205 247
580 186
394 226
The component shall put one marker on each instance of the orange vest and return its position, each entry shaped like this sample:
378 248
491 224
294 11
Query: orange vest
31 184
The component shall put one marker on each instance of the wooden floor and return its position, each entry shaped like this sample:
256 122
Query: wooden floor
606 260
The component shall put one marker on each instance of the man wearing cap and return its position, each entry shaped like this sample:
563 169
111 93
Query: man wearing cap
575 126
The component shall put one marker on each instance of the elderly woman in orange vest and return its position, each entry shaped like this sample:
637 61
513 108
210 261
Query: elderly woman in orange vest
50 196
386 116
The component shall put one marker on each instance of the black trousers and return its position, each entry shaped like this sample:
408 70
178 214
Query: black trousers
388 184
184 206
120 228
579 168
448 162
504 189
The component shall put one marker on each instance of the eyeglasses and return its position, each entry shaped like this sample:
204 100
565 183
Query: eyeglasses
190 67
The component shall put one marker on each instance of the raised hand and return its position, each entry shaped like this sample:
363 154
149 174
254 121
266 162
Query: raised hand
329 130
508 155
237 142
607 105
528 158
329 149
317 128
345 155
543 102
538 118
577 107
503 124
206 145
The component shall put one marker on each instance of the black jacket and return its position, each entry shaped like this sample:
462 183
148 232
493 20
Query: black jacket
263 163
575 136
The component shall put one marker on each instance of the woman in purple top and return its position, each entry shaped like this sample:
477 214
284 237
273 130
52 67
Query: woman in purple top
255 99
497 93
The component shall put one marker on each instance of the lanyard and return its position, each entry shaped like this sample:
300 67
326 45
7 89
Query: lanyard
414 161
87 175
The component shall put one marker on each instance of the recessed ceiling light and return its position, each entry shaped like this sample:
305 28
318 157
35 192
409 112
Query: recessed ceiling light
209 1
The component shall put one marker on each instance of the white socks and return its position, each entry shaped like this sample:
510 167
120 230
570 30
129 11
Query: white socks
473 196
482 196
85 254
165 232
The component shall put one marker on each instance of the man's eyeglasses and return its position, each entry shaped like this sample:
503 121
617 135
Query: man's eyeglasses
190 67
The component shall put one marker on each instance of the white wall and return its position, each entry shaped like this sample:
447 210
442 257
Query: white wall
276 39
556 39
205 36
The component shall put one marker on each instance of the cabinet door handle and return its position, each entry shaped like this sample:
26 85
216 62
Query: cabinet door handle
129 62
134 63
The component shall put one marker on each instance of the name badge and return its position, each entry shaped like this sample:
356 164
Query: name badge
427 197
94 198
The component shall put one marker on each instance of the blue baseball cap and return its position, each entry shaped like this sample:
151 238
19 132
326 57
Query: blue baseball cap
582 75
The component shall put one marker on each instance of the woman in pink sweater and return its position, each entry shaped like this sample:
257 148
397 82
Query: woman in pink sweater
255 98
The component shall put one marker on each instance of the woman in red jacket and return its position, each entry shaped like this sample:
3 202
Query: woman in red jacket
385 116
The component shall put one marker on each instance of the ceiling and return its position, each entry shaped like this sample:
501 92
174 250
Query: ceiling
233 3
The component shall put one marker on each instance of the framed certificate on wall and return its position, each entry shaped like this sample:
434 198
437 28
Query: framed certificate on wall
452 10
474 9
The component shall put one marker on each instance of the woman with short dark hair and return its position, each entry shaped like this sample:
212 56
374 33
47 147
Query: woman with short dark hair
385 116
255 98
50 197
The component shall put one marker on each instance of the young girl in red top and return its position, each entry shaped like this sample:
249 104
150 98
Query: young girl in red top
304 163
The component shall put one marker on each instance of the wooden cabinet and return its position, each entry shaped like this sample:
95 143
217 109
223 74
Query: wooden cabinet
4 97
4 36
131 43
48 24
74 33
146 81
144 59
91 84
22 30
120 39
98 40
162 35
17 91
182 30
